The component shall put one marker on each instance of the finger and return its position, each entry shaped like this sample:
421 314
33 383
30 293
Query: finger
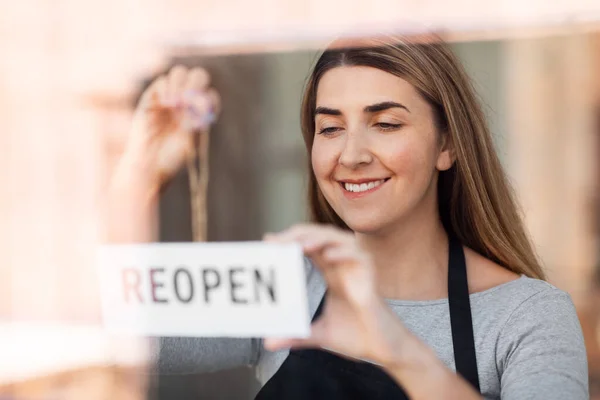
196 94
339 254
311 244
176 84
273 344
215 100
198 79
199 108
295 233
304 239
304 231
155 94
314 340
198 113
314 238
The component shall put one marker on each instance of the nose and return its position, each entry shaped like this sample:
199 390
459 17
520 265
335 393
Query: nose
355 152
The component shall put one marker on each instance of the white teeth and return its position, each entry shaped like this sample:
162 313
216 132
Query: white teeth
363 187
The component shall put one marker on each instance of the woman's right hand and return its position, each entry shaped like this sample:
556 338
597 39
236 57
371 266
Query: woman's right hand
171 112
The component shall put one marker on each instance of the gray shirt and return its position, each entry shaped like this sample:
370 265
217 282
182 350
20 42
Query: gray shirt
528 341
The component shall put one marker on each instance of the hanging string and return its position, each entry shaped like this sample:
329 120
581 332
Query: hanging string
198 174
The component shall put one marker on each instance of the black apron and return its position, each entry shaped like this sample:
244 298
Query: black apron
317 374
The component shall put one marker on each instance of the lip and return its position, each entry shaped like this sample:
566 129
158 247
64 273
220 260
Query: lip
356 195
363 180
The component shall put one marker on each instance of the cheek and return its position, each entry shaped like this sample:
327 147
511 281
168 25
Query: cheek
401 157
409 158
324 159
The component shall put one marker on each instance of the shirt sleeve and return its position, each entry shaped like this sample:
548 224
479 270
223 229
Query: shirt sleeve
541 352
188 355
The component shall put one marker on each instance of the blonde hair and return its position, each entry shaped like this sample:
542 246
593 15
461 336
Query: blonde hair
476 202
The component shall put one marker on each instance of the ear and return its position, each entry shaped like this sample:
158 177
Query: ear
447 154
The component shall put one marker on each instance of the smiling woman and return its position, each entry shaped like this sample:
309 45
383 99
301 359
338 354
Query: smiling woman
420 92
402 157
419 268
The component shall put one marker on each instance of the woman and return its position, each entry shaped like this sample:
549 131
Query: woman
419 262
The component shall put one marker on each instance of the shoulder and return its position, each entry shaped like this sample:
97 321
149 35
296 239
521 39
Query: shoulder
540 344
531 330
522 304
484 274
533 301
517 294
517 300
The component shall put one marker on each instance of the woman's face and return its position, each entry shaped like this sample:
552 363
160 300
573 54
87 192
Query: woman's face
376 150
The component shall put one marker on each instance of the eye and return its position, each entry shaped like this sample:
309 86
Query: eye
384 126
328 131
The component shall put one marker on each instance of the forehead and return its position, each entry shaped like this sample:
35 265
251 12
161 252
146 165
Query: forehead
346 87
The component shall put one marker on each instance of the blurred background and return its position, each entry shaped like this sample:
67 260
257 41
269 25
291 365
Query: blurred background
69 76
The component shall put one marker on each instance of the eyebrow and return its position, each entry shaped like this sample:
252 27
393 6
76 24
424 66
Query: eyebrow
327 111
386 105
373 108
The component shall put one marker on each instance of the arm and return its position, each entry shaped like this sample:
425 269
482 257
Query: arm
541 351
131 216
131 203
154 152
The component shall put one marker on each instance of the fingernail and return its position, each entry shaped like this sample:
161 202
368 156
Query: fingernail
275 345
190 94
309 244
267 344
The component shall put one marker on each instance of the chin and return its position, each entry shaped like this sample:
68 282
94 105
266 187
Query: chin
365 225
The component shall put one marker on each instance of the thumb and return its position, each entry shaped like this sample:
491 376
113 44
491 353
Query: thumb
313 341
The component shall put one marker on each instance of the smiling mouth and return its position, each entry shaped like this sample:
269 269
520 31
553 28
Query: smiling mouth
362 187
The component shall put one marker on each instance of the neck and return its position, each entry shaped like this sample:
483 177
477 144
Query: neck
411 259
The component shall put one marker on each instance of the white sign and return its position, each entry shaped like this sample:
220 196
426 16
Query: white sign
242 289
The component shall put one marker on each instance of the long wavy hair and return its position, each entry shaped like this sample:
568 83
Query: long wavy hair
476 202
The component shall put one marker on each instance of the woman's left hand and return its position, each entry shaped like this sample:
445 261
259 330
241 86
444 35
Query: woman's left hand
355 322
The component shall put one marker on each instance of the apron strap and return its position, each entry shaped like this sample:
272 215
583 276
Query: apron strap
463 339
